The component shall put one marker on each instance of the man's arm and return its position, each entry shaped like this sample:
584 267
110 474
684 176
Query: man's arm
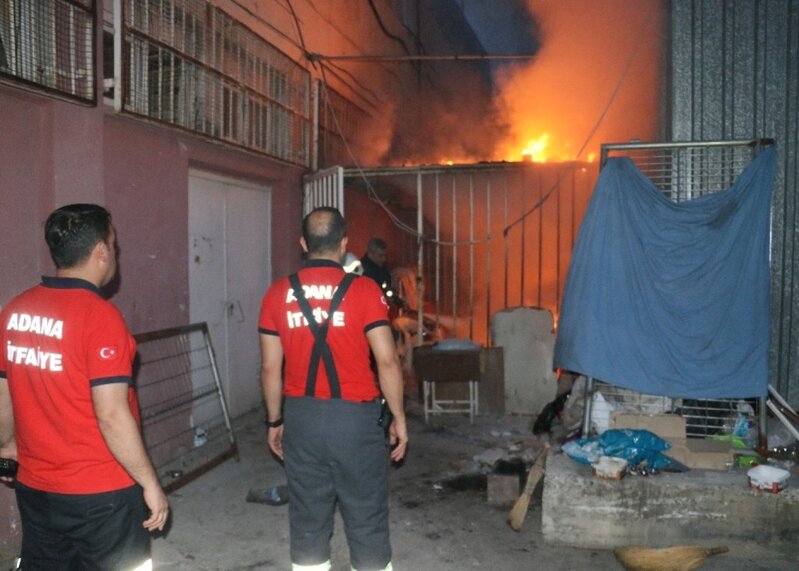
390 378
121 433
272 386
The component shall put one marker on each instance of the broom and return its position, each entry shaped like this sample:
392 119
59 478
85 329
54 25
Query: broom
681 558
519 510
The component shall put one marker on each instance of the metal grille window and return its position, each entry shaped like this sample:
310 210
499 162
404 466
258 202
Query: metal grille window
690 170
339 120
190 65
49 45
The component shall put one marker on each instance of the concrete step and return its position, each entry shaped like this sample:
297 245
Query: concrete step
699 507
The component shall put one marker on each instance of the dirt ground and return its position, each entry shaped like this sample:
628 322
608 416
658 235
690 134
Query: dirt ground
435 524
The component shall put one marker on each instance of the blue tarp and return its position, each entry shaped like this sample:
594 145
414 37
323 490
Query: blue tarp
671 298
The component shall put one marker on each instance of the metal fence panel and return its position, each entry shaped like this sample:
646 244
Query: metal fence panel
486 237
185 421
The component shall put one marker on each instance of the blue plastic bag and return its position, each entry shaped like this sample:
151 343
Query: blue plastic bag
634 445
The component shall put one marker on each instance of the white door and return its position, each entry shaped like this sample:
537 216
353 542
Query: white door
229 269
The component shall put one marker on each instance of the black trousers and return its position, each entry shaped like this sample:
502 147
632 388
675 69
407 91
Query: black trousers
335 453
77 532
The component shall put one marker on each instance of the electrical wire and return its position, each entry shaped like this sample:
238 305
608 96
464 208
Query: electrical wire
385 30
489 236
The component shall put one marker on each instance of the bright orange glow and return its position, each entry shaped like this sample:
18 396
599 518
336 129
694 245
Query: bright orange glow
536 149
585 48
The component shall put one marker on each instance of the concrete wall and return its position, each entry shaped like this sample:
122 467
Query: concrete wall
53 153
695 508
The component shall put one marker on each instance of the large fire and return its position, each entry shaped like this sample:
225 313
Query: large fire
536 150
581 75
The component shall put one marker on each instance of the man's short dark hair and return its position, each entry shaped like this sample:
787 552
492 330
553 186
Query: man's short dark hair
323 229
376 244
73 230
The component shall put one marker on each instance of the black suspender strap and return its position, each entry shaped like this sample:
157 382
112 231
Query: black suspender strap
321 350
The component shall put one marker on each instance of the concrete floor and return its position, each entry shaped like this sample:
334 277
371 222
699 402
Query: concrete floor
434 527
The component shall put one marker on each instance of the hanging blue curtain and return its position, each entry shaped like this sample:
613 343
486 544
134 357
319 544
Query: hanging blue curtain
671 298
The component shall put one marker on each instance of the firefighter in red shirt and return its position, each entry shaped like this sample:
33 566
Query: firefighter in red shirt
330 429
68 412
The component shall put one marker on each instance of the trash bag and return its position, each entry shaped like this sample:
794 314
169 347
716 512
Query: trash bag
634 445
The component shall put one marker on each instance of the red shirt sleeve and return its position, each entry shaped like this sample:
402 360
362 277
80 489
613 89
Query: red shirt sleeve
110 347
266 320
372 303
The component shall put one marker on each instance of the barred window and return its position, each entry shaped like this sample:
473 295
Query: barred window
189 64
48 45
342 128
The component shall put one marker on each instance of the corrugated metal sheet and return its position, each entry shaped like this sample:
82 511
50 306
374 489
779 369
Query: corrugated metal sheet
735 75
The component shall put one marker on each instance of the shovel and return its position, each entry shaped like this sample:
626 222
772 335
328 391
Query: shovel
681 558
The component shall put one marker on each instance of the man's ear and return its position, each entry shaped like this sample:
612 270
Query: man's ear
344 241
101 251
303 245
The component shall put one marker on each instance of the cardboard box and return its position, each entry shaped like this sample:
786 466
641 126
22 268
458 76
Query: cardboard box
697 453
664 425
701 453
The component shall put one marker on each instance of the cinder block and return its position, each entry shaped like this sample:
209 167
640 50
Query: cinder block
502 489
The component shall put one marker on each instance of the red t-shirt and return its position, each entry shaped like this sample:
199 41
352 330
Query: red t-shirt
362 309
59 339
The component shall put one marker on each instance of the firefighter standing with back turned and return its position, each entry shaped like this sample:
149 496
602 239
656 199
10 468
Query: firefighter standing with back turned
87 493
330 431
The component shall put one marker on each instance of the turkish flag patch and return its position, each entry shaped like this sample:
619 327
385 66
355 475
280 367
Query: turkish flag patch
108 353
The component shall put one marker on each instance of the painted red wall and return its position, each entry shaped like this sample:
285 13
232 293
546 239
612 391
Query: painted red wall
53 153
146 180
26 190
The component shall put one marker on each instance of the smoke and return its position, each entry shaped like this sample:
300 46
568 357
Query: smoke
585 47
450 120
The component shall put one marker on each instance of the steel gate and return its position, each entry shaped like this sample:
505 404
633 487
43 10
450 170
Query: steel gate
478 238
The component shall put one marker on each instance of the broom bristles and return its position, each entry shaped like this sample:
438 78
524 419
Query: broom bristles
681 558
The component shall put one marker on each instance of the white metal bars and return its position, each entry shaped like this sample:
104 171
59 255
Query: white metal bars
688 170
49 46
323 188
190 65
340 129
493 236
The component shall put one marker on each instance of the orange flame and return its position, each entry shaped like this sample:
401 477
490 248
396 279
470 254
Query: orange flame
536 149
563 92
